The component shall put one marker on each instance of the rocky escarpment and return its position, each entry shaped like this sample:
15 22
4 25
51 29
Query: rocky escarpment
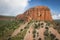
36 13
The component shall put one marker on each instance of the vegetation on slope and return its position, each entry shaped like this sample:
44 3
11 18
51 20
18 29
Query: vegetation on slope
22 34
57 25
7 28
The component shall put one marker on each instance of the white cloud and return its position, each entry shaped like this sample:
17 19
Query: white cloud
56 16
13 6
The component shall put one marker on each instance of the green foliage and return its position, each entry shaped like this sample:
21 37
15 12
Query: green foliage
39 39
46 28
37 26
46 33
56 39
57 27
42 24
34 33
52 36
37 34
20 36
21 30
7 27
48 23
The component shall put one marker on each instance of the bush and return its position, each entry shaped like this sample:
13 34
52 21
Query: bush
56 39
20 36
46 27
9 38
41 23
57 24
48 24
8 27
33 35
42 26
29 31
34 32
21 30
46 33
39 39
25 27
33 39
52 36
36 26
37 34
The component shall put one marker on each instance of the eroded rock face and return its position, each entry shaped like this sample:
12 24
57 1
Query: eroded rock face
36 13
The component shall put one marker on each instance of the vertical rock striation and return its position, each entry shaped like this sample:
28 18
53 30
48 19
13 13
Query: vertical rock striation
36 13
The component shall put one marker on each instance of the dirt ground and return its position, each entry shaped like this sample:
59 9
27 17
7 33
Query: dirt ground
29 34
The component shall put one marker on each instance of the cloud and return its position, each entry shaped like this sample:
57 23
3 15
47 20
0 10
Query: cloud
56 16
13 7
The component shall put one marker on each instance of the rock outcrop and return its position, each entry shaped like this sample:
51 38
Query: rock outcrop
36 13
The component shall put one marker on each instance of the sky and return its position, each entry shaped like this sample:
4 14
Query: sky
15 7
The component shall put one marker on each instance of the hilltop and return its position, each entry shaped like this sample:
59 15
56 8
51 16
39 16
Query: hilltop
36 13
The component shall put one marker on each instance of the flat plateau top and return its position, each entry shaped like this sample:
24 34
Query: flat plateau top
40 8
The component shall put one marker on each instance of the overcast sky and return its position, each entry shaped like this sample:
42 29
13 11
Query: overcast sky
15 7
12 7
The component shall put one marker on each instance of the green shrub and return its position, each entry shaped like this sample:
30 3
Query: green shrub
9 38
29 31
39 39
42 26
34 32
8 27
46 27
33 35
37 34
56 39
46 33
33 39
52 36
36 26
20 36
41 23
21 30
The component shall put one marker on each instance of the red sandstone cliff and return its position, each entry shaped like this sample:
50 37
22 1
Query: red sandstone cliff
36 13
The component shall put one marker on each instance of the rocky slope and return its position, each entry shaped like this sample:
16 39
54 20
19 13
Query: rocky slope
37 30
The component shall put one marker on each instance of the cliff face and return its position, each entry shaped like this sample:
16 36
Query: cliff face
36 13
